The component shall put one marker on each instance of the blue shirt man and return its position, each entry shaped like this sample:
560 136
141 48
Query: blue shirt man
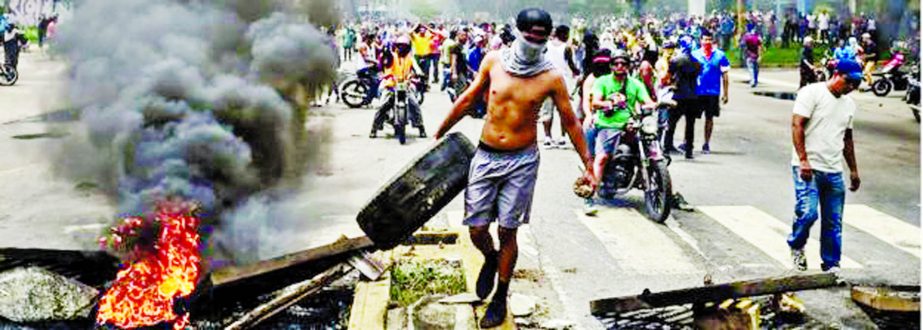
711 79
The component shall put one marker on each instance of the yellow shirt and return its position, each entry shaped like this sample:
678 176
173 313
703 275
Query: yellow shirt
400 70
422 43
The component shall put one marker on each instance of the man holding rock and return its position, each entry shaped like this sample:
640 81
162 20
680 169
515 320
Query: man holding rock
501 179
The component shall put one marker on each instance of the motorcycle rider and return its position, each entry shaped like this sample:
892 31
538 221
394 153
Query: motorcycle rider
615 98
401 68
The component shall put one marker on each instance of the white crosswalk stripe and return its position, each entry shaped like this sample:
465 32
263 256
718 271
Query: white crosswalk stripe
637 244
767 234
889 229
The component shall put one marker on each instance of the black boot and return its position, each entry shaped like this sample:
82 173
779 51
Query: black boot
487 276
496 310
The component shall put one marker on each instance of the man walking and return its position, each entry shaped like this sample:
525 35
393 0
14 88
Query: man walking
752 47
822 125
683 74
503 171
712 81
561 57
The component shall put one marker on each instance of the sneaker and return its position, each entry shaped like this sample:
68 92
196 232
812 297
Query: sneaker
589 207
674 150
494 315
706 149
547 144
422 132
689 155
487 277
835 270
373 134
562 142
683 147
799 260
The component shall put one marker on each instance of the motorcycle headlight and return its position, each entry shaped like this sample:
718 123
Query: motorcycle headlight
649 125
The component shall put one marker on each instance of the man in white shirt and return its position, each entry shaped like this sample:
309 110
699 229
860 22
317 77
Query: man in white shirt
822 124
562 57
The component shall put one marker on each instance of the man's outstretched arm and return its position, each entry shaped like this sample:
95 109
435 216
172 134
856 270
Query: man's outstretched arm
467 98
562 102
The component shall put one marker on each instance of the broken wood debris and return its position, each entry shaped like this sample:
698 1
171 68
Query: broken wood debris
713 293
289 296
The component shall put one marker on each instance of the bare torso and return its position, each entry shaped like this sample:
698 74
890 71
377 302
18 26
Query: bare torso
512 106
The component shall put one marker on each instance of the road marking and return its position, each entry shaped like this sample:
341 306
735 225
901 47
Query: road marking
767 234
87 227
892 230
637 243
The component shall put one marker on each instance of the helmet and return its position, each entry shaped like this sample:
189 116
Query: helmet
620 54
532 17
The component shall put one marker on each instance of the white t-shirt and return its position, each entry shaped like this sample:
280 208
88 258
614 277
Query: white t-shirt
828 119
823 21
556 56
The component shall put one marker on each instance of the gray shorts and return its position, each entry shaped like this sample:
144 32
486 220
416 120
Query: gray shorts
500 187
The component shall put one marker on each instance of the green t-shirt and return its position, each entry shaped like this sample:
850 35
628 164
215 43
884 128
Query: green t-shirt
635 92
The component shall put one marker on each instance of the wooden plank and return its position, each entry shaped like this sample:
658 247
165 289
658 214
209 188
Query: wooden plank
289 296
231 274
714 293
890 299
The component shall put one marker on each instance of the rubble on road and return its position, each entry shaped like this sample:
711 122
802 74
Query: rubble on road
34 294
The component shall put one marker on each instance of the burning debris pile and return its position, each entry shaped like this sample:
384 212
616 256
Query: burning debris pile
191 114
143 294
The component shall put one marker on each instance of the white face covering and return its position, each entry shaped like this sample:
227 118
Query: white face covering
524 58
529 51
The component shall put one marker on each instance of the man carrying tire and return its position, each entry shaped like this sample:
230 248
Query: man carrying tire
502 174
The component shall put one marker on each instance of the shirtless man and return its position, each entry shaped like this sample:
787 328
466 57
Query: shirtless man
501 179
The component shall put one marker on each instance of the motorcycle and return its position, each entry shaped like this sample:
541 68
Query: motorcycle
8 75
639 163
361 89
890 77
399 112
913 92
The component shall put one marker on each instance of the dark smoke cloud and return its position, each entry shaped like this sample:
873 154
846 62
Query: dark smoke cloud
201 101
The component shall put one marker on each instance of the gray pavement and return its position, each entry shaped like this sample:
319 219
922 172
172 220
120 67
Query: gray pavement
746 178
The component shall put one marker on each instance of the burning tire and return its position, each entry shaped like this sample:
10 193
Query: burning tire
418 192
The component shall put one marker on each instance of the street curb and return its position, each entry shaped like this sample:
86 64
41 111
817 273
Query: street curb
371 298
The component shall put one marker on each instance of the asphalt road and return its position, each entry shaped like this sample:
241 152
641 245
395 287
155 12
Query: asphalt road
742 192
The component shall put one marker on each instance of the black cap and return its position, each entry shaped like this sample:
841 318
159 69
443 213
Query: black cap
531 17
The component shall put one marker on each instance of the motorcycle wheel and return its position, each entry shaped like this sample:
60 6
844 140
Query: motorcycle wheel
400 133
353 93
9 76
657 199
881 87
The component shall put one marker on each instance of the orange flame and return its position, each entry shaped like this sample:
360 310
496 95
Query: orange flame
144 292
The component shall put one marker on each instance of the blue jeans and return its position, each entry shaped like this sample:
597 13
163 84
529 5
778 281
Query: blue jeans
754 67
589 134
827 190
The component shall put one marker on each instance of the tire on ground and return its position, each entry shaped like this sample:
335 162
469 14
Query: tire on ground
418 192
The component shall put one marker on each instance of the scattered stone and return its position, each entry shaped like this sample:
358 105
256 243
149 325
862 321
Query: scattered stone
34 295
427 313
557 324
572 270
521 305
462 298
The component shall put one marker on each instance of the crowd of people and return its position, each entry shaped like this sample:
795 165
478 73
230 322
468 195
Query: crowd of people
609 69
